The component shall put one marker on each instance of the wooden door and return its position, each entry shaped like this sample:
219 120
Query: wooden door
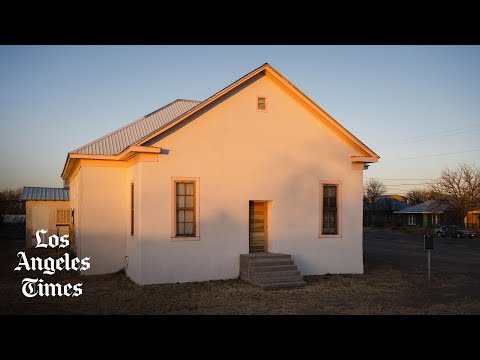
258 226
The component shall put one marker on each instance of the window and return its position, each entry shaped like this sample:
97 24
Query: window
132 209
185 208
435 219
330 209
411 219
261 103
63 216
185 205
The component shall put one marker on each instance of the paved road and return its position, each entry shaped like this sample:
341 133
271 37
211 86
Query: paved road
405 250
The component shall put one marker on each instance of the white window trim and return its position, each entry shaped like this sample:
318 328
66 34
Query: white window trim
173 236
266 103
414 218
338 183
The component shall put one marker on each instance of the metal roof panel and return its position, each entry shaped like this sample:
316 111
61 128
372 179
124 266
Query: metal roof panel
117 141
43 193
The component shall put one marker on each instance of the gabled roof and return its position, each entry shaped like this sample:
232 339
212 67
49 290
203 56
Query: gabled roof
117 141
44 193
427 207
117 144
367 154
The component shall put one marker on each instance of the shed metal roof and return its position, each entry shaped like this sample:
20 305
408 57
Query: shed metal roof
44 193
118 140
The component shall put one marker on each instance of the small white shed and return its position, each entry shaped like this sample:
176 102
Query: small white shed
46 208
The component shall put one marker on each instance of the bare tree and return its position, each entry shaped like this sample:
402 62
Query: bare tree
388 204
417 196
461 188
10 203
372 190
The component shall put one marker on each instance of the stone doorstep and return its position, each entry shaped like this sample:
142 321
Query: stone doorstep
270 271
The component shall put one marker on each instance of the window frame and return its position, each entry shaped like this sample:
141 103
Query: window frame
196 182
266 103
57 223
414 222
132 208
338 184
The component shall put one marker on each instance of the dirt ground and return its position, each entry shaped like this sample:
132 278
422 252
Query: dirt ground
394 282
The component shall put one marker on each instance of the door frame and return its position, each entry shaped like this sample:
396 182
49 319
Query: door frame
265 223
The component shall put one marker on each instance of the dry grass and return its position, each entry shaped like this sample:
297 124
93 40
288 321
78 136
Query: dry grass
383 289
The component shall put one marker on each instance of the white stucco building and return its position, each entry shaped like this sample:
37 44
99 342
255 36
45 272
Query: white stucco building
47 209
181 193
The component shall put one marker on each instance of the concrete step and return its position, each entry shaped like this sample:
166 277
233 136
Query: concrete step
279 279
268 256
268 262
270 271
284 285
267 259
260 269
269 274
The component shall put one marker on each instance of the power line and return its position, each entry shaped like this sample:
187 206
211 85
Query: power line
436 133
443 133
394 179
404 184
439 135
433 155
407 184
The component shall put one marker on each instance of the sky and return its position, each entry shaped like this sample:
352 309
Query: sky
417 107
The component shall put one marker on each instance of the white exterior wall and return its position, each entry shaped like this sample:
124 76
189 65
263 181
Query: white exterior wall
241 154
75 197
42 215
134 249
100 217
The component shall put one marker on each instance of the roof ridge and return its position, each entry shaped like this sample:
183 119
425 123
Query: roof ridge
163 107
128 125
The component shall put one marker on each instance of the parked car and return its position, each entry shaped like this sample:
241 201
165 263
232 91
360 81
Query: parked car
454 231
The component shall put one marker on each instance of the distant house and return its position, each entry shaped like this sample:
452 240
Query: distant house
48 209
14 219
472 220
181 193
427 214
385 206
